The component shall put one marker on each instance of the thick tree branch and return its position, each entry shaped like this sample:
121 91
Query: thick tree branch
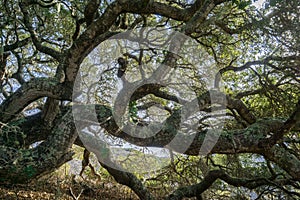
199 17
229 142
90 11
22 165
241 108
85 43
102 153
30 91
15 45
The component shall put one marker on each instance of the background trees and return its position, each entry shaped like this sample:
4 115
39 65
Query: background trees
255 50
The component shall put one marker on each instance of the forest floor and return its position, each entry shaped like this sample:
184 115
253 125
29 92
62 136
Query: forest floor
68 188
66 184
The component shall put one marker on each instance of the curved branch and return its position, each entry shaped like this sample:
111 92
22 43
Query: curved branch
236 69
248 65
162 9
22 165
47 50
85 43
17 44
229 142
197 189
121 176
30 91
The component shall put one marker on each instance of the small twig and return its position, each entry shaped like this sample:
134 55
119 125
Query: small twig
74 196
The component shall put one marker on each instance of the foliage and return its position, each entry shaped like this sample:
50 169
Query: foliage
49 50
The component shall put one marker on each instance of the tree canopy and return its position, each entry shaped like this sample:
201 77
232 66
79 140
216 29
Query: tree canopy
215 83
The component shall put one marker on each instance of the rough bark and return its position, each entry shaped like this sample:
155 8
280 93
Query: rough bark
56 130
23 165
230 142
